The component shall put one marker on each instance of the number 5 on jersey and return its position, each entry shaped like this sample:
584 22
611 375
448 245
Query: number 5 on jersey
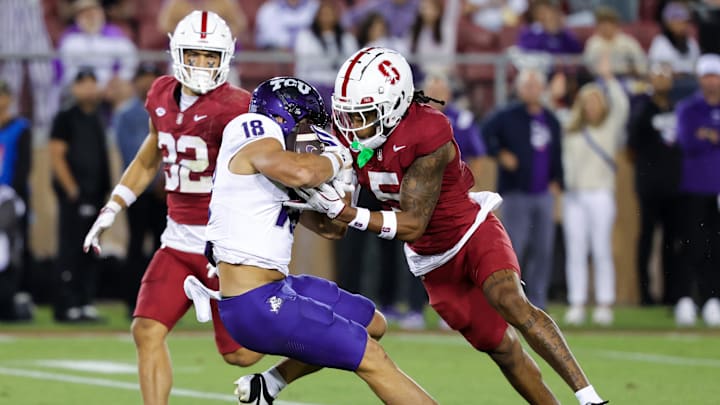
180 163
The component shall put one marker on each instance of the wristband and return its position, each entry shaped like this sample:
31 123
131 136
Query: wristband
334 160
361 220
113 206
389 226
125 194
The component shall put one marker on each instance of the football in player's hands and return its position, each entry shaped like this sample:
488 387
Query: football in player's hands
308 143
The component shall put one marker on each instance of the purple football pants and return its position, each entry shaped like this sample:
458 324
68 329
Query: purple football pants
303 317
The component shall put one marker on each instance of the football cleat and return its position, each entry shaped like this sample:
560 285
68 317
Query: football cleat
252 389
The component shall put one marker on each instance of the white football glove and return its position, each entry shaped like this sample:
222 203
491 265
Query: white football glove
343 179
105 219
324 199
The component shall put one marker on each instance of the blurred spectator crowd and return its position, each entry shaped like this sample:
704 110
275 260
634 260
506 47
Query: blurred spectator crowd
593 81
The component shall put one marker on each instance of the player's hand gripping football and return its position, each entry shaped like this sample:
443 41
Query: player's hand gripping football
105 219
324 199
343 180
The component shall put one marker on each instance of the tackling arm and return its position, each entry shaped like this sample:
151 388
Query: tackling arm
419 192
267 157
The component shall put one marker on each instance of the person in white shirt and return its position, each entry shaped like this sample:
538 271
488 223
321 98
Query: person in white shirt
593 133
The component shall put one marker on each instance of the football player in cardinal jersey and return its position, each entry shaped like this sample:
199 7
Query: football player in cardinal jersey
188 113
250 236
406 155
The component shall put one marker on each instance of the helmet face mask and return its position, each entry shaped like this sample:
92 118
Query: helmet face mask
201 31
294 100
374 88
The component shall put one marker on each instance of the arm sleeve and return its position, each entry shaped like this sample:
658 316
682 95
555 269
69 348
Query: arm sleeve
556 166
60 129
686 130
23 164
492 134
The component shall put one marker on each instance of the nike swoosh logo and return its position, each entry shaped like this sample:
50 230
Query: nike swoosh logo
397 148
197 118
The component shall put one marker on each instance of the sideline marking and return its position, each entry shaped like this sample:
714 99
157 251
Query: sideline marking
659 358
102 382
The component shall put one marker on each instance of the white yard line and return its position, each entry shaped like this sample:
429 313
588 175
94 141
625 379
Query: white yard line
102 382
658 358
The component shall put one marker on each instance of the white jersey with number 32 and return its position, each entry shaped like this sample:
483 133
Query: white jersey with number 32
248 224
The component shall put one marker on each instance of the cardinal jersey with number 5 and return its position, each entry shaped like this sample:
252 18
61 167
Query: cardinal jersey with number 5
190 141
422 131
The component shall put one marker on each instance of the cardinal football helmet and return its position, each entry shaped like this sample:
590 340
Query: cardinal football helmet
293 100
377 84
202 30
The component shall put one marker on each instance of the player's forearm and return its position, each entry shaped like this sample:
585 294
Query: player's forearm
137 177
302 170
406 226
323 226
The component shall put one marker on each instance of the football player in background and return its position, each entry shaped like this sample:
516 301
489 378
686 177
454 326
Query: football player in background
406 155
250 236
188 113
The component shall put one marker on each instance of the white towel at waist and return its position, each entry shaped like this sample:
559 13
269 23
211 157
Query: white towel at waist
423 264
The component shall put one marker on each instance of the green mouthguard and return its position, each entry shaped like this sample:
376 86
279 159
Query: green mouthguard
365 153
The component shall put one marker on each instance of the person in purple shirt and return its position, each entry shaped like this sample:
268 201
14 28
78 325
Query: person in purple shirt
547 33
524 137
698 131
400 14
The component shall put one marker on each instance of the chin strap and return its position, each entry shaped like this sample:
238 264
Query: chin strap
365 153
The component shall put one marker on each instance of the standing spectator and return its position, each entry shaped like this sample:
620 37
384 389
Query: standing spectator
321 48
547 32
594 131
147 214
658 166
92 42
675 46
81 178
433 37
525 138
278 22
399 15
493 15
22 29
15 162
465 127
173 11
698 129
627 57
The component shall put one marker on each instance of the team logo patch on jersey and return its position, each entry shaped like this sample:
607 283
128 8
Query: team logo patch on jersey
179 119
275 304
160 111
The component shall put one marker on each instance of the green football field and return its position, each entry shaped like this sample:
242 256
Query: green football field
642 360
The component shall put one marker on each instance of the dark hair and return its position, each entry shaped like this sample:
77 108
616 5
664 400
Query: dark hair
418 25
680 43
337 29
364 28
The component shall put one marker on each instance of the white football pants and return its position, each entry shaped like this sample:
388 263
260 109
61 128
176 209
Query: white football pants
588 219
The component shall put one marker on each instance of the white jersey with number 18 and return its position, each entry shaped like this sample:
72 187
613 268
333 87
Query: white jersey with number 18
248 224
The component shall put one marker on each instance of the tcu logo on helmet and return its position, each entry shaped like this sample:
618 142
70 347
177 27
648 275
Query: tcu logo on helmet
302 87
389 71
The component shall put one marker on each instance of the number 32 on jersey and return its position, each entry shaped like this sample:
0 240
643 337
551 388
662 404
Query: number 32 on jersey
177 171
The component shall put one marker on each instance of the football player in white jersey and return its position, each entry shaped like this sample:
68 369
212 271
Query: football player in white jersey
305 318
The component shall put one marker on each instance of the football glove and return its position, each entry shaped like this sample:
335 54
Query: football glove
343 179
324 199
105 219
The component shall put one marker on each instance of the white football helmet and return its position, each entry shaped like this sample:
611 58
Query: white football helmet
377 84
202 30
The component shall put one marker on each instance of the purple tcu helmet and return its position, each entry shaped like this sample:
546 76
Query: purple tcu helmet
292 99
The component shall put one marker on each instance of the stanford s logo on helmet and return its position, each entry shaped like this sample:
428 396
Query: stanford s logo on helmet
291 99
206 31
375 84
